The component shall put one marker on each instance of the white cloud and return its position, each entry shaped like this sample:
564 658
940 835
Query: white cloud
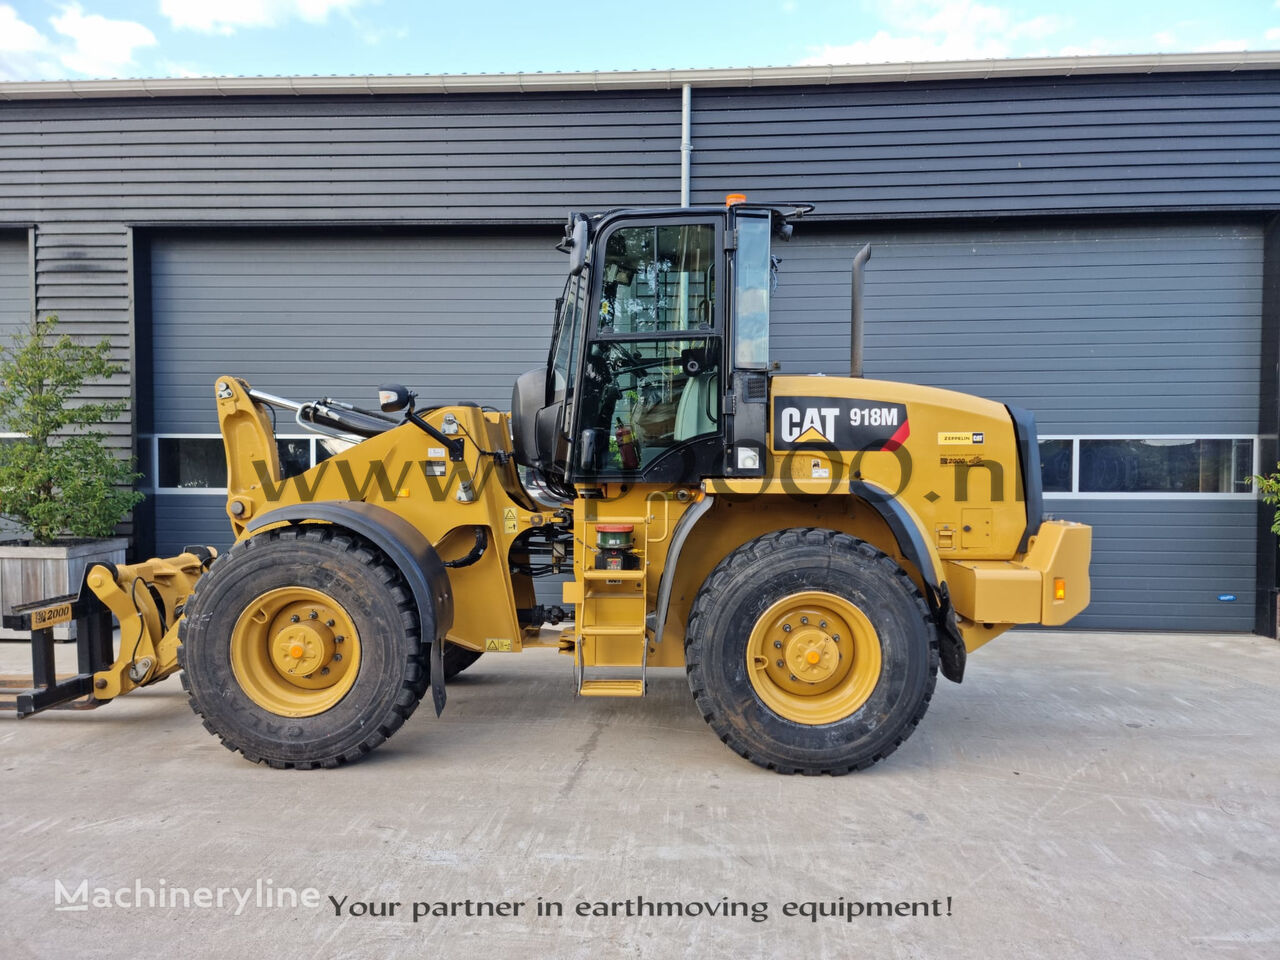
82 43
940 30
227 16
1164 39
1273 35
99 47
17 36
23 49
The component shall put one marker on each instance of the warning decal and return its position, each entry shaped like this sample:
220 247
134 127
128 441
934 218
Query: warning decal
509 523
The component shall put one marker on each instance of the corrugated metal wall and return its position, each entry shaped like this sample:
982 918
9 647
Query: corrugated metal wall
1008 146
500 158
909 149
83 276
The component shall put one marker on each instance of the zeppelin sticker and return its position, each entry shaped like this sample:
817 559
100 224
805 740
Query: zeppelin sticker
838 423
958 438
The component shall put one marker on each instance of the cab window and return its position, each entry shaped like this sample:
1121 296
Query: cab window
642 398
564 354
751 285
658 279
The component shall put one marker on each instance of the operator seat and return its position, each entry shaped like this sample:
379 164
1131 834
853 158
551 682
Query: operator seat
698 411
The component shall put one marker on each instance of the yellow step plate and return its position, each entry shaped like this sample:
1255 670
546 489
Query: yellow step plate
612 688
613 575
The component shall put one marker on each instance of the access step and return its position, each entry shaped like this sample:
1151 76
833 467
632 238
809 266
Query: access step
616 575
636 632
611 688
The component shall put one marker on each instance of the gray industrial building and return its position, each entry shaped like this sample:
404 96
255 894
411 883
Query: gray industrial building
1094 239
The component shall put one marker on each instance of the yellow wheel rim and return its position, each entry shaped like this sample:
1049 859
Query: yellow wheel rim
813 658
295 651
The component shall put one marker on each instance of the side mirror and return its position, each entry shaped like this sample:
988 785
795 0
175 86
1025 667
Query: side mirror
578 246
394 397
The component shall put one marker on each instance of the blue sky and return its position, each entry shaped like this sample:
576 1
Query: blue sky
58 39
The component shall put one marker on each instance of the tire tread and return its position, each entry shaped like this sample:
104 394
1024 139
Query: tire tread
758 549
416 675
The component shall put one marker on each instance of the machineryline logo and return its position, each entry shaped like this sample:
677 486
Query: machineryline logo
263 894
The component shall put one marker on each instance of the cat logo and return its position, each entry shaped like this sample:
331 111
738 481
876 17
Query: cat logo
810 425
838 423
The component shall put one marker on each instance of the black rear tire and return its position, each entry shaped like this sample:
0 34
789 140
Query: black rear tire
389 681
752 581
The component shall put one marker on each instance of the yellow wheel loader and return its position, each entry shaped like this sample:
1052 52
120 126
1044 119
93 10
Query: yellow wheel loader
811 549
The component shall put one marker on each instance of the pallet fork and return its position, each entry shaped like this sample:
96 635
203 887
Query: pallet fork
146 600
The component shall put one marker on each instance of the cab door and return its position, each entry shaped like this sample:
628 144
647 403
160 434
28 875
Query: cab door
650 392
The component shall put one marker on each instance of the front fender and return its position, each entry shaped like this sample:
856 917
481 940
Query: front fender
405 546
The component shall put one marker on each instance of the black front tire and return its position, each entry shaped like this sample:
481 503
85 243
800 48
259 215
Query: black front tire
392 673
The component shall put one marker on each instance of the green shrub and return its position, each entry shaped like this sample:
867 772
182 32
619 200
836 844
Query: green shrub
1269 487
59 478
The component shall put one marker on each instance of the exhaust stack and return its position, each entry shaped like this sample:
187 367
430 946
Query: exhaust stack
855 321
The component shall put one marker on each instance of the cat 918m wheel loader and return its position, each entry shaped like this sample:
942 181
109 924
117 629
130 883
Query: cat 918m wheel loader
811 549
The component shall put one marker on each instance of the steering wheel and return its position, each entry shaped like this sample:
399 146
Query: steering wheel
619 356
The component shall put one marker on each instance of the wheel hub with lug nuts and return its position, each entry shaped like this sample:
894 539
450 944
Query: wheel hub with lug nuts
303 648
295 651
813 657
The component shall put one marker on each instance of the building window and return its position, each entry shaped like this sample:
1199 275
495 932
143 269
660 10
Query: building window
1169 466
190 462
198 463
1055 465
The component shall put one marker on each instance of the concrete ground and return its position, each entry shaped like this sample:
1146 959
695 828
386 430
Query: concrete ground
1080 795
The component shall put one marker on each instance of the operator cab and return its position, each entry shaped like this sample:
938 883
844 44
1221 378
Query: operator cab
658 369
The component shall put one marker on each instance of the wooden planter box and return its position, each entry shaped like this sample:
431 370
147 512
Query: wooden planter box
30 573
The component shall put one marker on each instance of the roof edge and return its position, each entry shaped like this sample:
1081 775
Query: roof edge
600 80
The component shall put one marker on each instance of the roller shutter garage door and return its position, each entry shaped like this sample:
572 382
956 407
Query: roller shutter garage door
454 317
1136 345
